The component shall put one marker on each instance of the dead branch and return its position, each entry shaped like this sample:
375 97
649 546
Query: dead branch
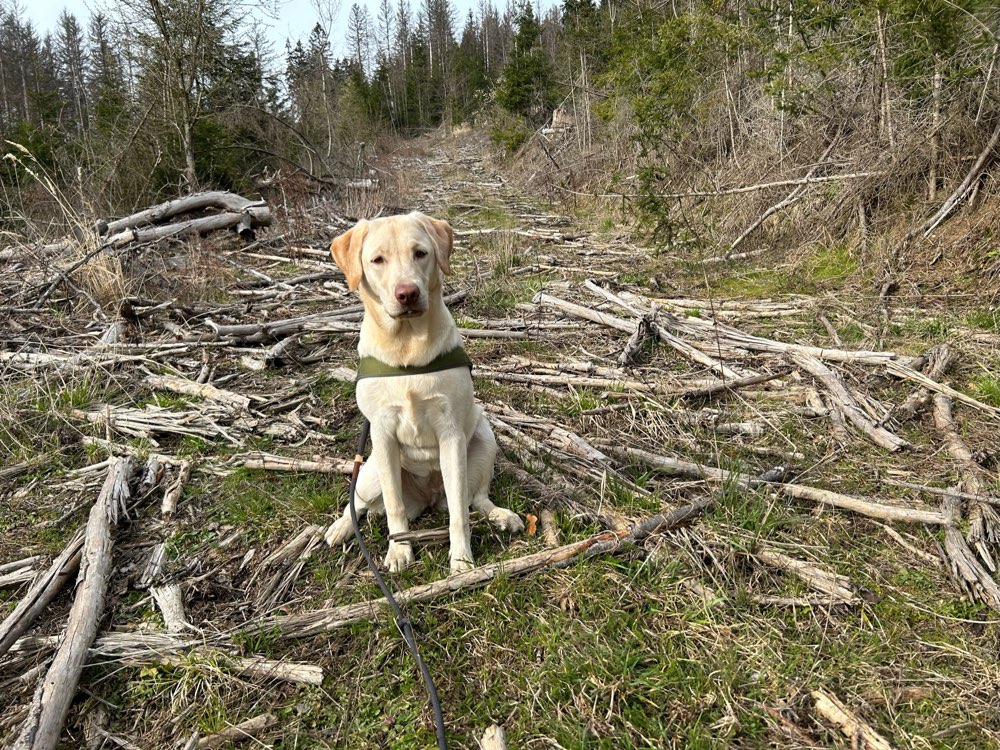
847 404
963 187
901 370
173 492
681 346
243 223
55 692
938 360
864 506
984 523
837 587
319 621
43 591
861 734
165 211
271 462
246 730
788 200
199 390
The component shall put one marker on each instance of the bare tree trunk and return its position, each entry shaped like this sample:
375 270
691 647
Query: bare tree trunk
190 172
885 121
935 139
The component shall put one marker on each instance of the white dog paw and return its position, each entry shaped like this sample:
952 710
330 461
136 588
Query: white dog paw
339 532
506 520
463 562
399 557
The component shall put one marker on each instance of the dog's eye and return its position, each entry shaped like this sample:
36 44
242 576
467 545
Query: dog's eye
378 261
420 254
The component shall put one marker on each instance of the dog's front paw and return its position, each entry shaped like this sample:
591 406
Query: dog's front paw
458 564
506 520
339 532
399 557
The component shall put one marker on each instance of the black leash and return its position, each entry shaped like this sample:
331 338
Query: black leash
402 621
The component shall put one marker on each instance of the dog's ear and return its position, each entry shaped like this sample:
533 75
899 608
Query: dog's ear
346 252
443 237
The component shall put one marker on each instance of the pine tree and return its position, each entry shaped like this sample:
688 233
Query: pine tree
525 87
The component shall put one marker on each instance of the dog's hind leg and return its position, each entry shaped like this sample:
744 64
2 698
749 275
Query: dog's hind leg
482 454
367 496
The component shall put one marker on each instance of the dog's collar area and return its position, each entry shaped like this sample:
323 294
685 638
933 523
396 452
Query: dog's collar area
370 367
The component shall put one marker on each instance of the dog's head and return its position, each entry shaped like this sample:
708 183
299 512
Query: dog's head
397 260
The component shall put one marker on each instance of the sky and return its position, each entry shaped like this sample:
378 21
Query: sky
294 18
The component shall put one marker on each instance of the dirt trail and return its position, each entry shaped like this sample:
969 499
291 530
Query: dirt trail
831 466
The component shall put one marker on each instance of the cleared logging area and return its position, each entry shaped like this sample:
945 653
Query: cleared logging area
754 519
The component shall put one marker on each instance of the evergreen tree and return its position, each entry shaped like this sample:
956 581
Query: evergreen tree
525 87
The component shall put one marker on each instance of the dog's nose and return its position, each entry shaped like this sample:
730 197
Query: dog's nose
407 294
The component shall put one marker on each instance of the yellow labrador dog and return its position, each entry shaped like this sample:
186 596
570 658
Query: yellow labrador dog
429 437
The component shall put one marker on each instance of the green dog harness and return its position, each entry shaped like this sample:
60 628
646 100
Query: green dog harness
369 367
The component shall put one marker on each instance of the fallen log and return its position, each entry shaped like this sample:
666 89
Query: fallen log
244 223
216 199
55 692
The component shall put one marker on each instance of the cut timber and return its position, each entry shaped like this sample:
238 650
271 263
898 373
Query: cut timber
861 734
55 692
847 404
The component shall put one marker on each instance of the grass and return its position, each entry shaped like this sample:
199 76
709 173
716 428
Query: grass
986 387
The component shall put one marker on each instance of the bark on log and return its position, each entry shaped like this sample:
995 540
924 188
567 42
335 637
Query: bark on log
55 692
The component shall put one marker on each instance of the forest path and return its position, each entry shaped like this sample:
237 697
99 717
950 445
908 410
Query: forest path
836 464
